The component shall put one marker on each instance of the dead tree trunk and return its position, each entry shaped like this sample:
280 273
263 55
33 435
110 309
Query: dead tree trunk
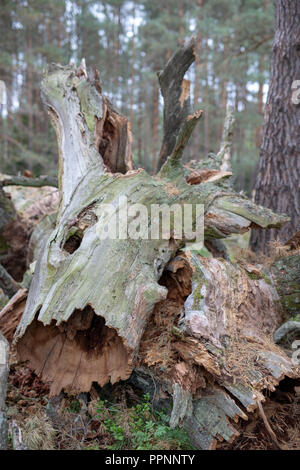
99 308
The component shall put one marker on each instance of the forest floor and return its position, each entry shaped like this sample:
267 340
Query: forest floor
121 417
115 417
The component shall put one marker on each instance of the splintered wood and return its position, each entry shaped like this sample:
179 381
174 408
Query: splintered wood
224 344
76 353
11 314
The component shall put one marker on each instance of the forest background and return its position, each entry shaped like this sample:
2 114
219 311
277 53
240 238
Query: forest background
129 42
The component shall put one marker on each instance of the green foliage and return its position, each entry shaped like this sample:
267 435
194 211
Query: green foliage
140 428
74 406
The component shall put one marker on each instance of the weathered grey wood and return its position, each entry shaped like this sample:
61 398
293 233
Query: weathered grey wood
176 93
4 370
17 437
224 154
234 314
113 280
7 283
174 159
91 299
226 327
287 327
182 405
39 236
211 415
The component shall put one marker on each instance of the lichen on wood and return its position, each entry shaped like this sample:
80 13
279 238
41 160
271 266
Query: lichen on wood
95 304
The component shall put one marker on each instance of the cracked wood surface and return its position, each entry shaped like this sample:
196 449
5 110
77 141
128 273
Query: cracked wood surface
115 280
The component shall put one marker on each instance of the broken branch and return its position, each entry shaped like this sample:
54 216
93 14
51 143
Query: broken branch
181 142
30 182
224 154
176 93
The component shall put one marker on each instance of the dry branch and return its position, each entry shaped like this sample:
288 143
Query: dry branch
30 182
268 427
174 159
224 154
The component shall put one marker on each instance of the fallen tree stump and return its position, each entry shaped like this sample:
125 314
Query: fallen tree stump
99 310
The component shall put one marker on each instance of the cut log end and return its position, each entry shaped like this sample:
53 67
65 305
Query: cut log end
73 355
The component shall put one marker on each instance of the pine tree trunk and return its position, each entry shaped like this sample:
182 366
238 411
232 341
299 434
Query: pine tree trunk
132 76
198 51
155 124
29 89
260 104
206 100
277 182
